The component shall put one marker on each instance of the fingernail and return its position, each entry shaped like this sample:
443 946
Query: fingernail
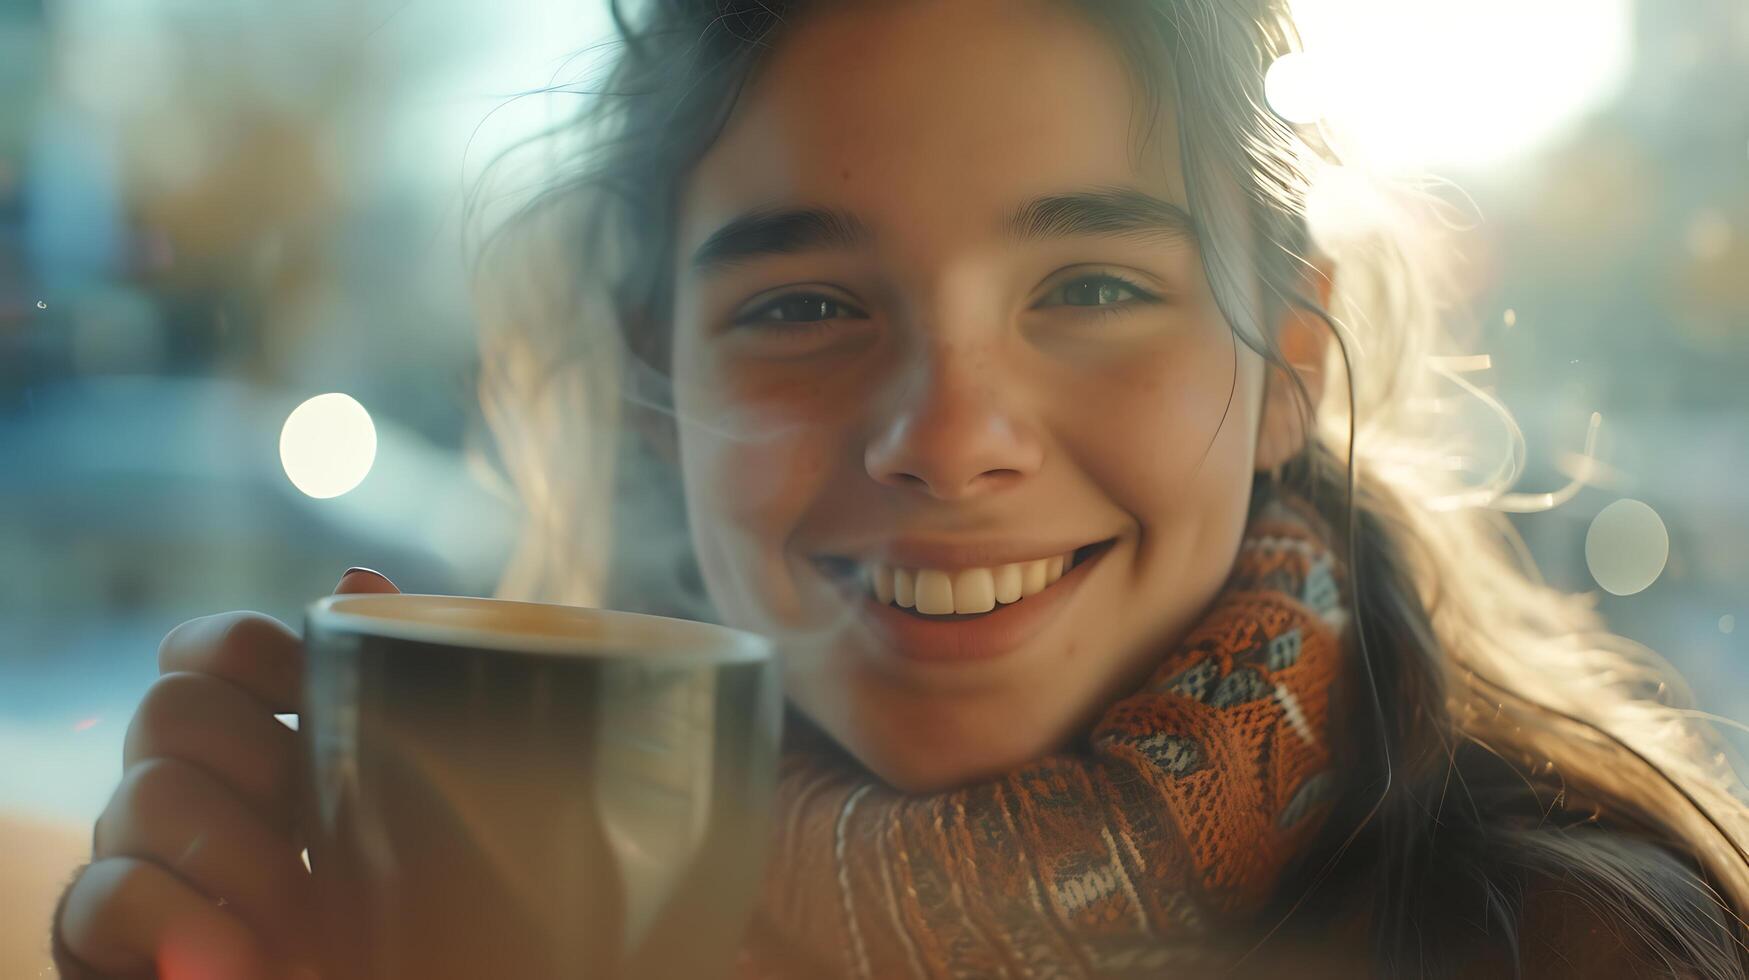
341 587
359 568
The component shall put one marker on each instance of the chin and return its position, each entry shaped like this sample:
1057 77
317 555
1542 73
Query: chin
918 742
927 769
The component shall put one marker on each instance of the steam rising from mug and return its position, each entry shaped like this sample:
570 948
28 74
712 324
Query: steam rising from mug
653 568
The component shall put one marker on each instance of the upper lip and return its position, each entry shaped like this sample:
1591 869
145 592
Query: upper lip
947 554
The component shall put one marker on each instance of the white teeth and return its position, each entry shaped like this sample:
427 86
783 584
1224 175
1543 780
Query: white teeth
936 592
883 583
974 591
1008 583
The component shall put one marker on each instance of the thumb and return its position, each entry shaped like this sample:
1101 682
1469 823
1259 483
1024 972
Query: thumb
363 580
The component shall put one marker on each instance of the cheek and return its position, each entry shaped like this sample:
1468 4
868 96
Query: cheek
750 476
751 473
1171 424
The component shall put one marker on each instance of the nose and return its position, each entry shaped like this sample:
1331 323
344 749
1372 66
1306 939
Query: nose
954 429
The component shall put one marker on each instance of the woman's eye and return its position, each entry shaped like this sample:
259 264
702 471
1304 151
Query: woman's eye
799 308
1101 292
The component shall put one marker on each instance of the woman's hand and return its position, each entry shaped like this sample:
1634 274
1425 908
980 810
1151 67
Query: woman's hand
196 868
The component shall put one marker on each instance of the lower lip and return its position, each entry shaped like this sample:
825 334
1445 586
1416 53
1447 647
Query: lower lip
986 637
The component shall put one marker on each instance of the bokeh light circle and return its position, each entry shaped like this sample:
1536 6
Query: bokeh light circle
1627 547
327 445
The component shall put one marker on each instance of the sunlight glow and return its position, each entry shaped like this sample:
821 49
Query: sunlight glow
1413 83
1345 204
327 445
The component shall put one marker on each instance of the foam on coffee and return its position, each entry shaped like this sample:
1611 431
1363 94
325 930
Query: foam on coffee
530 627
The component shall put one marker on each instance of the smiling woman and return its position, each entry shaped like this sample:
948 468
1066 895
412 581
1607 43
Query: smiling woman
982 327
992 359
977 352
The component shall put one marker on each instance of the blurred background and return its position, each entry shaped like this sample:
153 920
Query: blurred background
236 354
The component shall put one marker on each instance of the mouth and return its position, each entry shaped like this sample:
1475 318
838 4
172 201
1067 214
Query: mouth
952 595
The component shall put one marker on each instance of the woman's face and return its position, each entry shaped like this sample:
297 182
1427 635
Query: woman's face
935 312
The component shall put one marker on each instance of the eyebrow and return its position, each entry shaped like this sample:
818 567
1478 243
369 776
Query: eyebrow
780 231
1102 212
1106 212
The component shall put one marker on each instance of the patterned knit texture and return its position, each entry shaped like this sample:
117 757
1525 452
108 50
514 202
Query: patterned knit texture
1191 798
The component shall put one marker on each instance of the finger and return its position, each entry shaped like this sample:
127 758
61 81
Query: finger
178 816
252 650
126 916
216 725
256 652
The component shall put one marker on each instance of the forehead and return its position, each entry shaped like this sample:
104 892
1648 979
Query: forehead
939 112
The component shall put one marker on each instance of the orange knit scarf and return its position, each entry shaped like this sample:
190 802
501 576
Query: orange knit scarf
1182 810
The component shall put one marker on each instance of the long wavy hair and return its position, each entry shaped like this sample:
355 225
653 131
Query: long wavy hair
1508 737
